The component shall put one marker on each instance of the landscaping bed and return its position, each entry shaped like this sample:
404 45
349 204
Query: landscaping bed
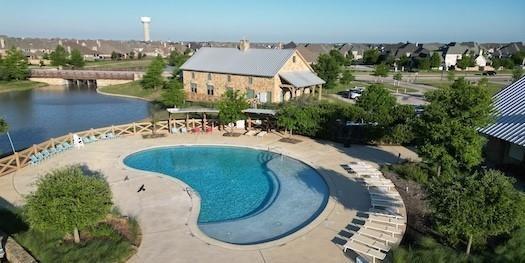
114 239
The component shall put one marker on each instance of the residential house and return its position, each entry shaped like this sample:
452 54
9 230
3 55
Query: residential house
456 51
264 75
506 136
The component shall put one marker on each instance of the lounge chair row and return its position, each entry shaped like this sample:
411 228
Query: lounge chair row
195 130
38 157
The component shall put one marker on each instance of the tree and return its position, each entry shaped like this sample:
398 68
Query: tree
398 77
176 59
140 55
475 207
328 69
347 77
517 73
231 105
483 82
423 63
378 104
451 76
76 60
465 62
174 94
14 66
3 126
447 129
59 56
67 200
153 78
381 70
339 58
349 58
514 249
435 60
371 56
300 115
518 58
131 55
115 55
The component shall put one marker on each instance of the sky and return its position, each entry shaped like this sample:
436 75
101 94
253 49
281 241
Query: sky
385 21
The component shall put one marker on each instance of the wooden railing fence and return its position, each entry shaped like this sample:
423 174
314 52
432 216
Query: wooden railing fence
21 159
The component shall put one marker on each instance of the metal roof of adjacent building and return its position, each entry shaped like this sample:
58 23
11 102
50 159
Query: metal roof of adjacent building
510 119
301 79
253 62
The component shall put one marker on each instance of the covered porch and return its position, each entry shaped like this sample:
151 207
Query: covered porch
297 83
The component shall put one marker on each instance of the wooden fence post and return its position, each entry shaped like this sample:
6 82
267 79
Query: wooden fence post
17 157
134 129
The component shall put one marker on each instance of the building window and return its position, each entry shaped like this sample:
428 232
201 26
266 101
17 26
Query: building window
209 76
293 59
193 75
250 80
229 78
210 90
194 87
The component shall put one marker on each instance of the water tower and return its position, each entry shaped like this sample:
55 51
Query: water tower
145 22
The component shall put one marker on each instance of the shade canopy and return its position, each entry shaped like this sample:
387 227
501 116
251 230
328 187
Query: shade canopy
301 79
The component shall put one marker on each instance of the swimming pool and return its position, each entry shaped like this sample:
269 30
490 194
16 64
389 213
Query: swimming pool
248 196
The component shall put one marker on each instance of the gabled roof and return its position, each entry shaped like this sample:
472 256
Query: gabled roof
254 62
510 120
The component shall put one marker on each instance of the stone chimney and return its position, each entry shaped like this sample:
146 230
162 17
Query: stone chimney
244 45
2 43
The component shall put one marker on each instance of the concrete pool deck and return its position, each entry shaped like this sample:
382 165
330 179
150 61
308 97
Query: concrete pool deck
166 213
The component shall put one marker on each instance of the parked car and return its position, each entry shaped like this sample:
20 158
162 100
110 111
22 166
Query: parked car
489 73
356 93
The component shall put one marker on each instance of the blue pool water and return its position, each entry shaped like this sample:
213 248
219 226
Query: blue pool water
248 196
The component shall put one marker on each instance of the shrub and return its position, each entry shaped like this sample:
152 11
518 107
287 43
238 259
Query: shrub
411 171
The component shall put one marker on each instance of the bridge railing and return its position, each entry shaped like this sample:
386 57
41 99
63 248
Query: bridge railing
21 159
82 74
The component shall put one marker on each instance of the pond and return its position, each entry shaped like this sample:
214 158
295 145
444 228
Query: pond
40 114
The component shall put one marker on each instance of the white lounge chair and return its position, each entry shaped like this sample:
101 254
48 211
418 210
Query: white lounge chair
382 227
371 252
373 243
388 239
386 220
251 133
261 134
386 199
384 193
385 212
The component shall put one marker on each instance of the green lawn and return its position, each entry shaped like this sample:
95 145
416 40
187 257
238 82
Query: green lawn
132 89
113 240
135 64
492 87
7 86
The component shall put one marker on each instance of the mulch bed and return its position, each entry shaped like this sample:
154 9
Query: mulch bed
290 140
417 210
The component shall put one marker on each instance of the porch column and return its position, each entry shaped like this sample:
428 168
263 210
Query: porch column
320 91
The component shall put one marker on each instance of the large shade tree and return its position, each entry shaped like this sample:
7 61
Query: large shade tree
67 200
231 105
59 56
300 115
76 60
153 78
173 94
328 69
475 207
447 129
14 66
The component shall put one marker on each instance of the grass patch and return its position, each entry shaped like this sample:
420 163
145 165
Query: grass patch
492 87
132 89
134 64
18 85
112 240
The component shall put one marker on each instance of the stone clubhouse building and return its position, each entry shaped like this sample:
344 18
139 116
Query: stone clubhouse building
264 75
